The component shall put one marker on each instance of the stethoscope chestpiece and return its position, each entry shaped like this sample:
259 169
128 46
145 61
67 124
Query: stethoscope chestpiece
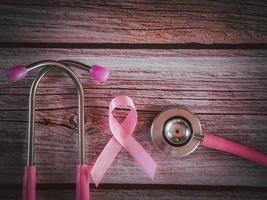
176 132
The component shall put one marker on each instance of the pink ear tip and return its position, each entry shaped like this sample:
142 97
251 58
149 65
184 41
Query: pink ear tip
16 73
99 73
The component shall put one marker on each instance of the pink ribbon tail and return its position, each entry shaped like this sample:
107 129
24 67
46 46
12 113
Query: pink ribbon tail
122 138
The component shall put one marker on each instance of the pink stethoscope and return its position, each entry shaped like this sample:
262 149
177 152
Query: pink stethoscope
175 132
82 170
178 132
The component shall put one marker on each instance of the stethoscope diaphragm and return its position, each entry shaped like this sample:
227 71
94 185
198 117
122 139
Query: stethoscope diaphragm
176 132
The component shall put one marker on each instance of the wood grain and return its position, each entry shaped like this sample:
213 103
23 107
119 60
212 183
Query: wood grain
226 89
131 194
163 22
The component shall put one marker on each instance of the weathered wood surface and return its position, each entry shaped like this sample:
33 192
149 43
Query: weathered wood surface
226 89
145 194
204 22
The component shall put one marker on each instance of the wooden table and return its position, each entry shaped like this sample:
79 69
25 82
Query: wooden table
209 57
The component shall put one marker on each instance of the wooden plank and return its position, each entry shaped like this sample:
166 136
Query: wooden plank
226 89
145 194
205 22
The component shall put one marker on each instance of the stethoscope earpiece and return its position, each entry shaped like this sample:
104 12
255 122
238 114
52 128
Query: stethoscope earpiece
176 132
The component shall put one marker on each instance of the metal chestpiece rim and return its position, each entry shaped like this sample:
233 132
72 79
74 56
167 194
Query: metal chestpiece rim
167 140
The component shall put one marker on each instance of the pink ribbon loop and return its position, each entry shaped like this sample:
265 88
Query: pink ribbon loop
122 137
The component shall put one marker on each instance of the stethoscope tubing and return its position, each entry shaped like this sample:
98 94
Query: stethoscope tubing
243 151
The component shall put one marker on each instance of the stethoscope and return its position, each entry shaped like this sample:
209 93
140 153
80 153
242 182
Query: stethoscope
82 171
177 132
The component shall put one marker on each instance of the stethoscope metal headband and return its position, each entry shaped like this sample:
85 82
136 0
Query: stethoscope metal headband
31 133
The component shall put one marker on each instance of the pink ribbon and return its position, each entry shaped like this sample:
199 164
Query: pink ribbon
122 138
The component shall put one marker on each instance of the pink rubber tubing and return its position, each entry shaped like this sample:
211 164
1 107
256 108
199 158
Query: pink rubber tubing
229 146
82 182
29 183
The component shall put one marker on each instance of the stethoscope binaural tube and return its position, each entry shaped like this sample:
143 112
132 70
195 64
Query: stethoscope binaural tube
29 181
31 130
82 170
178 132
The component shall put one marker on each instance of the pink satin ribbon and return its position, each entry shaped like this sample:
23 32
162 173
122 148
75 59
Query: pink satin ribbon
122 138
